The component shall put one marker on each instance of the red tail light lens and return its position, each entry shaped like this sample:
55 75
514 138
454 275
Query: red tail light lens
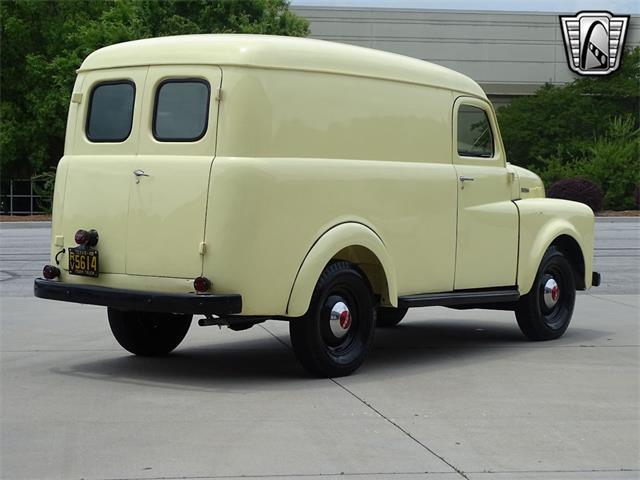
50 272
81 237
201 284
89 238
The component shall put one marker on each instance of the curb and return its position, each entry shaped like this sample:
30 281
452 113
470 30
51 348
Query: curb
12 225
617 219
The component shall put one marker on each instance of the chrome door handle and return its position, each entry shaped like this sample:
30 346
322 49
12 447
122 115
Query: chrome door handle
138 174
465 179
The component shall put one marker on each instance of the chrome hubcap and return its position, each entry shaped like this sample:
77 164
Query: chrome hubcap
339 319
551 293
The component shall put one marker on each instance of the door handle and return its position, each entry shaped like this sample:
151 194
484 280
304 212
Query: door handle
138 174
465 179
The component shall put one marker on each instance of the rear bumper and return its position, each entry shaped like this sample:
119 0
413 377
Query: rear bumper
138 300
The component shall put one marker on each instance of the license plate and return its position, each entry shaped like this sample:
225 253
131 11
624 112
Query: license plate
83 261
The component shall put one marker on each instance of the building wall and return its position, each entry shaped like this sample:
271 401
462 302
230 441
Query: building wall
508 53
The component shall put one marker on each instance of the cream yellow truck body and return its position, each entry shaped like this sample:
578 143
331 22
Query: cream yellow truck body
313 152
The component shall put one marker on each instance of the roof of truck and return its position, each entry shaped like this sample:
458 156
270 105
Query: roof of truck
268 51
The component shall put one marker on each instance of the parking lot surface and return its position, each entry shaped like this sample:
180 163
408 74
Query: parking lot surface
447 394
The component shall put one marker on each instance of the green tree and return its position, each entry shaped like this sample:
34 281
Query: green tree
43 43
534 127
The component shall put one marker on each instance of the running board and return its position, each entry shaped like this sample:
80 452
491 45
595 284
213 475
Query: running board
460 297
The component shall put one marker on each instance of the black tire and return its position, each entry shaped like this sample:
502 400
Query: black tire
148 334
334 346
537 319
389 317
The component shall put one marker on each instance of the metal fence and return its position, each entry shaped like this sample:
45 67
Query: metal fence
20 197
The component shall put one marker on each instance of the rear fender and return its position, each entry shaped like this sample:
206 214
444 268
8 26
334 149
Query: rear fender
324 250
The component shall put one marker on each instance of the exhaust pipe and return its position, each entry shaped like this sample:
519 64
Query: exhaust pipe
234 323
211 320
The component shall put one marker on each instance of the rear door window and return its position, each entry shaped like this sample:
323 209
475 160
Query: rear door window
474 133
110 111
181 110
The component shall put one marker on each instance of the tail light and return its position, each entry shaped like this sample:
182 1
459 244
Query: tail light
201 284
84 237
50 272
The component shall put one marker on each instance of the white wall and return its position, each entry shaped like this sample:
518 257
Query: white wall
508 53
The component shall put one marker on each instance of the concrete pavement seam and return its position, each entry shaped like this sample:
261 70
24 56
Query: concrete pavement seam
12 275
288 475
491 473
375 410
604 298
274 336
357 474
585 470
501 347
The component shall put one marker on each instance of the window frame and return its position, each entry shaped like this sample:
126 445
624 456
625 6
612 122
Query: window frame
491 132
154 119
124 81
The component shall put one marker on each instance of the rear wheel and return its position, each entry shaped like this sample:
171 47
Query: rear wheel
389 316
148 333
335 335
545 312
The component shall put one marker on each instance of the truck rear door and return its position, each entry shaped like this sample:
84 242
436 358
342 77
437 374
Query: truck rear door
103 143
169 178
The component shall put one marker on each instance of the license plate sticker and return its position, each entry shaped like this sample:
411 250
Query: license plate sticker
83 261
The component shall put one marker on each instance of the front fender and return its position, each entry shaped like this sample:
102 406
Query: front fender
326 247
542 220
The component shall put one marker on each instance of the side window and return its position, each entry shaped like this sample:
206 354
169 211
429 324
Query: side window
474 132
181 110
110 111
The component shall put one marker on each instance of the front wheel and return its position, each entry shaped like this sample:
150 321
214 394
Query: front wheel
148 334
335 335
545 312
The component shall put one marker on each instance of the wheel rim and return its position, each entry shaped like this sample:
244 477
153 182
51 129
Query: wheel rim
553 299
339 321
551 293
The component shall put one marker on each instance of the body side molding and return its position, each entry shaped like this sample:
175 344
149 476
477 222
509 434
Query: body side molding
460 297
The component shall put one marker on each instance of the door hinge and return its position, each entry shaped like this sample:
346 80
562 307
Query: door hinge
76 97
218 96
202 249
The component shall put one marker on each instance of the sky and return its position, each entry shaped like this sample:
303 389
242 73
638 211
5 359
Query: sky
567 6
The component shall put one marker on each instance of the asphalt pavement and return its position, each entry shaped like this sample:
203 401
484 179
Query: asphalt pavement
445 395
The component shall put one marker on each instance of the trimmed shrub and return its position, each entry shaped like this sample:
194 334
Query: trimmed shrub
612 161
579 190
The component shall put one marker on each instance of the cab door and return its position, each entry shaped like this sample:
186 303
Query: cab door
169 178
487 239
